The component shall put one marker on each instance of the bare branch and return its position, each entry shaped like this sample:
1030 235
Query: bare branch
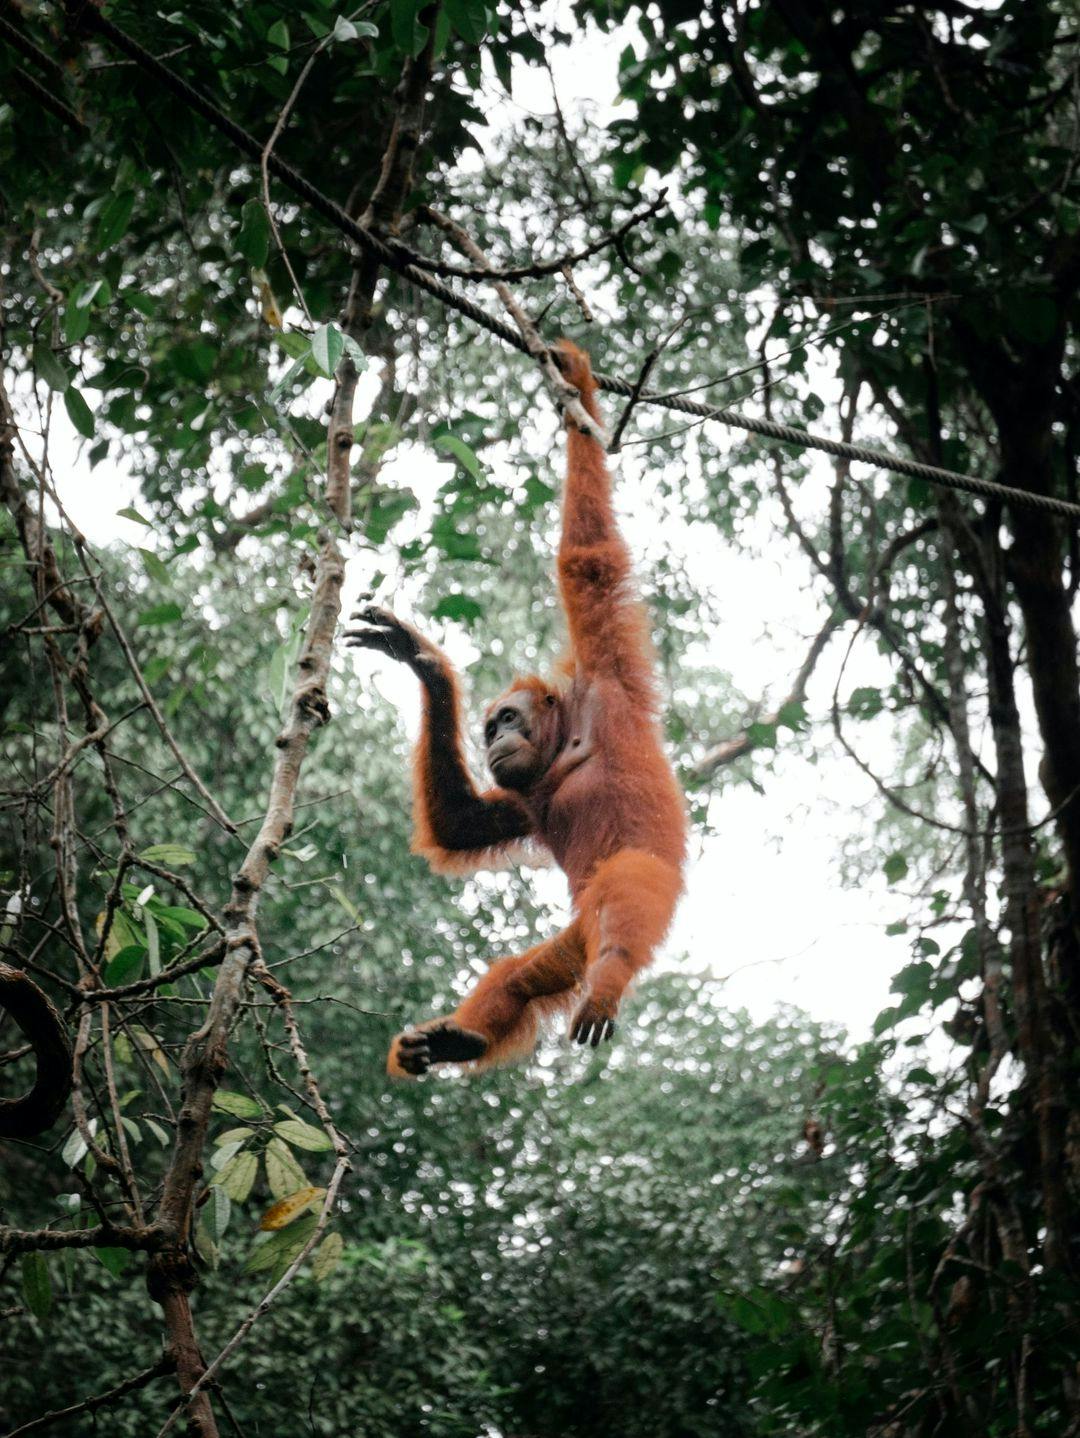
263 1307
144 689
100 1400
104 1235
205 1056
635 394
537 269
641 381
283 1000
728 750
564 395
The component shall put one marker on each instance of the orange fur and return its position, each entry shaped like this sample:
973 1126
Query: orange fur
608 806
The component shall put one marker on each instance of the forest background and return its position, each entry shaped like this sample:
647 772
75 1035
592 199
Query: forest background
827 1179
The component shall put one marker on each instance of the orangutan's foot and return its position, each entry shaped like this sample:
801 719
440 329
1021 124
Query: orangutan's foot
413 1053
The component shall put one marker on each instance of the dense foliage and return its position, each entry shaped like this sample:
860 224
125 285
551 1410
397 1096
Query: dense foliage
872 227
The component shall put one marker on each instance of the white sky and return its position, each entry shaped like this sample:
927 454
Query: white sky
764 895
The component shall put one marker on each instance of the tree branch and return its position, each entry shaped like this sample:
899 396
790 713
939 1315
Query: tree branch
100 1400
564 395
728 750
537 269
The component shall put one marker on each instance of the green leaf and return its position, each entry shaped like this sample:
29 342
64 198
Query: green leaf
36 1285
537 493
125 964
160 614
74 1149
158 1132
134 514
502 61
296 368
465 456
114 219
283 1173
791 715
114 1259
79 412
886 1020
762 735
237 1178
236 1104
170 856
346 903
76 318
455 543
469 18
327 1256
253 240
188 917
755 255
895 868
154 565
99 290
326 348
405 29
355 353
122 932
386 507
217 1212
458 606
233 1135
295 344
278 34
302 1135
49 368
224 1155
194 361
282 661
281 1247
156 667
865 702
913 980
205 1245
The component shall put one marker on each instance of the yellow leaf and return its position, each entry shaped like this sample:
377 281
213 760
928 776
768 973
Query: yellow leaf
271 310
238 1176
153 1048
282 1213
283 1173
327 1256
121 933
